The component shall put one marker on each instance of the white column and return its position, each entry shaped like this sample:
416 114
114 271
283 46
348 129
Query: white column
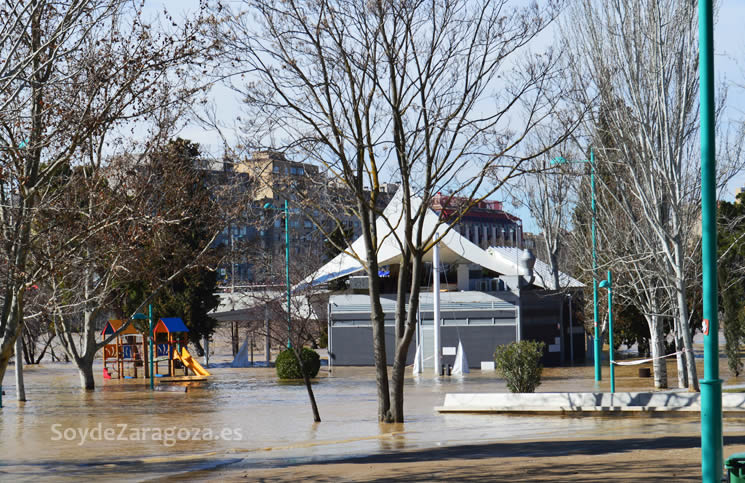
519 236
463 277
436 305
571 332
418 357
329 344
519 314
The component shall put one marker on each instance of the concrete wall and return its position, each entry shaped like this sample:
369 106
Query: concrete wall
352 346
479 342
544 318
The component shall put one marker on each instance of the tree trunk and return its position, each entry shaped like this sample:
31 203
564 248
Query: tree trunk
20 386
405 329
47 345
85 368
680 358
657 345
377 317
554 260
27 349
308 388
13 330
312 397
686 333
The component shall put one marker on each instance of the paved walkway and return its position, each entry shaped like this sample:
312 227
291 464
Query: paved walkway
580 402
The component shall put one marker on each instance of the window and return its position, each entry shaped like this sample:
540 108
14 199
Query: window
301 171
475 321
293 170
308 224
276 170
277 223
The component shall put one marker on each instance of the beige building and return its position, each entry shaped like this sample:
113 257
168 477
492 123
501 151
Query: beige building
274 174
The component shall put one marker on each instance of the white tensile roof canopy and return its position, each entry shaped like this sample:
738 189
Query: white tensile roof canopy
454 248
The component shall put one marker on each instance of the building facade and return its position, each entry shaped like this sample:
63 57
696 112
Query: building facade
485 224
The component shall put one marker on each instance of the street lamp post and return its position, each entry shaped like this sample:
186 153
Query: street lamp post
711 385
149 318
609 285
598 344
286 211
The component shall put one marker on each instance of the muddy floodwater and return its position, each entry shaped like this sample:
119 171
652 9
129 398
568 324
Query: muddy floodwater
245 417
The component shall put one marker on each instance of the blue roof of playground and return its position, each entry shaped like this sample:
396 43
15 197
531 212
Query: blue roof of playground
174 324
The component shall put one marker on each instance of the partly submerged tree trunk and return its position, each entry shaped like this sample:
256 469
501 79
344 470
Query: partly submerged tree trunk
85 369
47 345
308 386
405 329
377 316
20 386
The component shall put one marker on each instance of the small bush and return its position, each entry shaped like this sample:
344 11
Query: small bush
519 363
288 368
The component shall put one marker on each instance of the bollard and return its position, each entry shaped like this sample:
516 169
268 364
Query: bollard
450 370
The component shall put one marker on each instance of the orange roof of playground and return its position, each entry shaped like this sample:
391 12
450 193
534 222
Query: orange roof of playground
114 325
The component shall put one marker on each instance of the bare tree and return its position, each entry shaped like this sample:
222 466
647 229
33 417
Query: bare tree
547 191
299 321
423 94
640 59
84 72
36 40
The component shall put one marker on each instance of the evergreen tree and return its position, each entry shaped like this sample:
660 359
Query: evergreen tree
175 181
731 284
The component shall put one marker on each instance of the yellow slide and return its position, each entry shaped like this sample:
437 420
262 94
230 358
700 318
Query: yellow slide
191 363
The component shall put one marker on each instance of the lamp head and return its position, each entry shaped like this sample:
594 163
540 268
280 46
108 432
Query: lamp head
139 316
268 206
604 284
558 160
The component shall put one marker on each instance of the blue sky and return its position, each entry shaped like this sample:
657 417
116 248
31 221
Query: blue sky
729 65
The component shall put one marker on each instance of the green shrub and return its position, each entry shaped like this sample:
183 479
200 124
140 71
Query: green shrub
519 363
288 368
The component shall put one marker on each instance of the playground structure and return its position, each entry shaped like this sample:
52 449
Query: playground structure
127 356
127 352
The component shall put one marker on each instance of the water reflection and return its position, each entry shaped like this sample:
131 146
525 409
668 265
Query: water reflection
244 414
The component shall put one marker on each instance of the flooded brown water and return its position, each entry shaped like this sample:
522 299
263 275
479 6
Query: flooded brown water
125 431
